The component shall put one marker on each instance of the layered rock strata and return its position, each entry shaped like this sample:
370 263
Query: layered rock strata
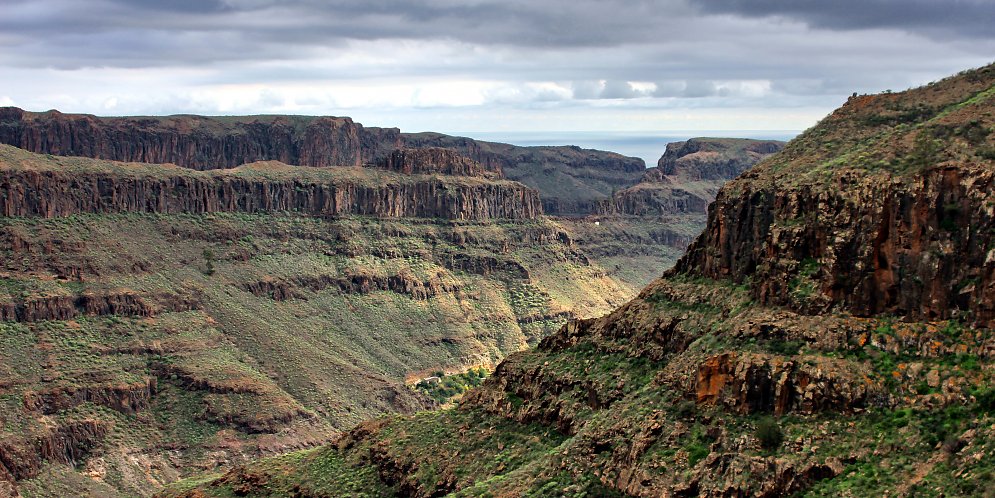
60 190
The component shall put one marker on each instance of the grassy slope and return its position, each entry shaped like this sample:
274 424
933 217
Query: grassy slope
341 357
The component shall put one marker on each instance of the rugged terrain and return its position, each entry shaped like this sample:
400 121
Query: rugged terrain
688 176
158 320
646 218
829 334
569 179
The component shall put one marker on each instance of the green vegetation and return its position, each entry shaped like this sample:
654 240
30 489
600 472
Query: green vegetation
445 389
769 433
267 330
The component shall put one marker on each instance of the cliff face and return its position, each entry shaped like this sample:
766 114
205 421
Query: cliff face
842 291
896 219
434 160
198 142
688 176
56 189
571 180
200 319
714 158
916 245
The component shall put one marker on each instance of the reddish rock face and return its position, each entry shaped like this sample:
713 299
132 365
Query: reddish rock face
917 246
68 443
125 398
760 383
199 142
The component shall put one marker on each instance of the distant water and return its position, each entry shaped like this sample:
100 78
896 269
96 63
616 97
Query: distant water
645 145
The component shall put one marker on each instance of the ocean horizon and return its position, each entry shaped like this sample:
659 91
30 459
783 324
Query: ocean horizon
646 145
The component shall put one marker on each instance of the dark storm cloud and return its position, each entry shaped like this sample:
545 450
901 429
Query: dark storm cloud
942 18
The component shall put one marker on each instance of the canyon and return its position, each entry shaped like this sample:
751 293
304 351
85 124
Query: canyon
188 293
828 334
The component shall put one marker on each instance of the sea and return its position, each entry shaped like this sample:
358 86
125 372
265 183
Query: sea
648 146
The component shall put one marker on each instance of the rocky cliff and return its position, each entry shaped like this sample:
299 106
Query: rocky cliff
688 176
719 159
199 142
898 220
434 160
829 334
33 185
570 179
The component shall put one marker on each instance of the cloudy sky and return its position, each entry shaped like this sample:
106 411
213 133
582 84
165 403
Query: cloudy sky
486 65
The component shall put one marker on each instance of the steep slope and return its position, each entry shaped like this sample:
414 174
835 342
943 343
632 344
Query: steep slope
157 320
828 335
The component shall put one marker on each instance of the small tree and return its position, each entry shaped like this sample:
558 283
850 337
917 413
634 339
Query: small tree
209 258
769 433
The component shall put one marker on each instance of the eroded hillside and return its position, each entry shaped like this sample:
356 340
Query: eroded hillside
828 335
156 321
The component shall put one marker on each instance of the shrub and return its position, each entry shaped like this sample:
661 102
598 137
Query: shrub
209 259
769 433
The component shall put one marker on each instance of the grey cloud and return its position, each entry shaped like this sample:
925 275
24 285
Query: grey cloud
941 18
615 89
142 33
599 46
697 89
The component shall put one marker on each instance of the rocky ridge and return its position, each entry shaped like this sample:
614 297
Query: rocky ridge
817 340
570 179
37 186
435 160
688 176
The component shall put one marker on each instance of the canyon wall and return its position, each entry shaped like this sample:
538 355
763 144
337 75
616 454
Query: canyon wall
199 142
434 160
56 191
688 176
916 247
570 179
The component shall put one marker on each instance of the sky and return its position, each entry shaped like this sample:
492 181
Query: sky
489 66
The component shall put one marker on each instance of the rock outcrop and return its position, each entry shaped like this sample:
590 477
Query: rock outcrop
64 305
720 159
434 160
56 189
406 284
23 457
688 176
128 399
916 246
199 142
